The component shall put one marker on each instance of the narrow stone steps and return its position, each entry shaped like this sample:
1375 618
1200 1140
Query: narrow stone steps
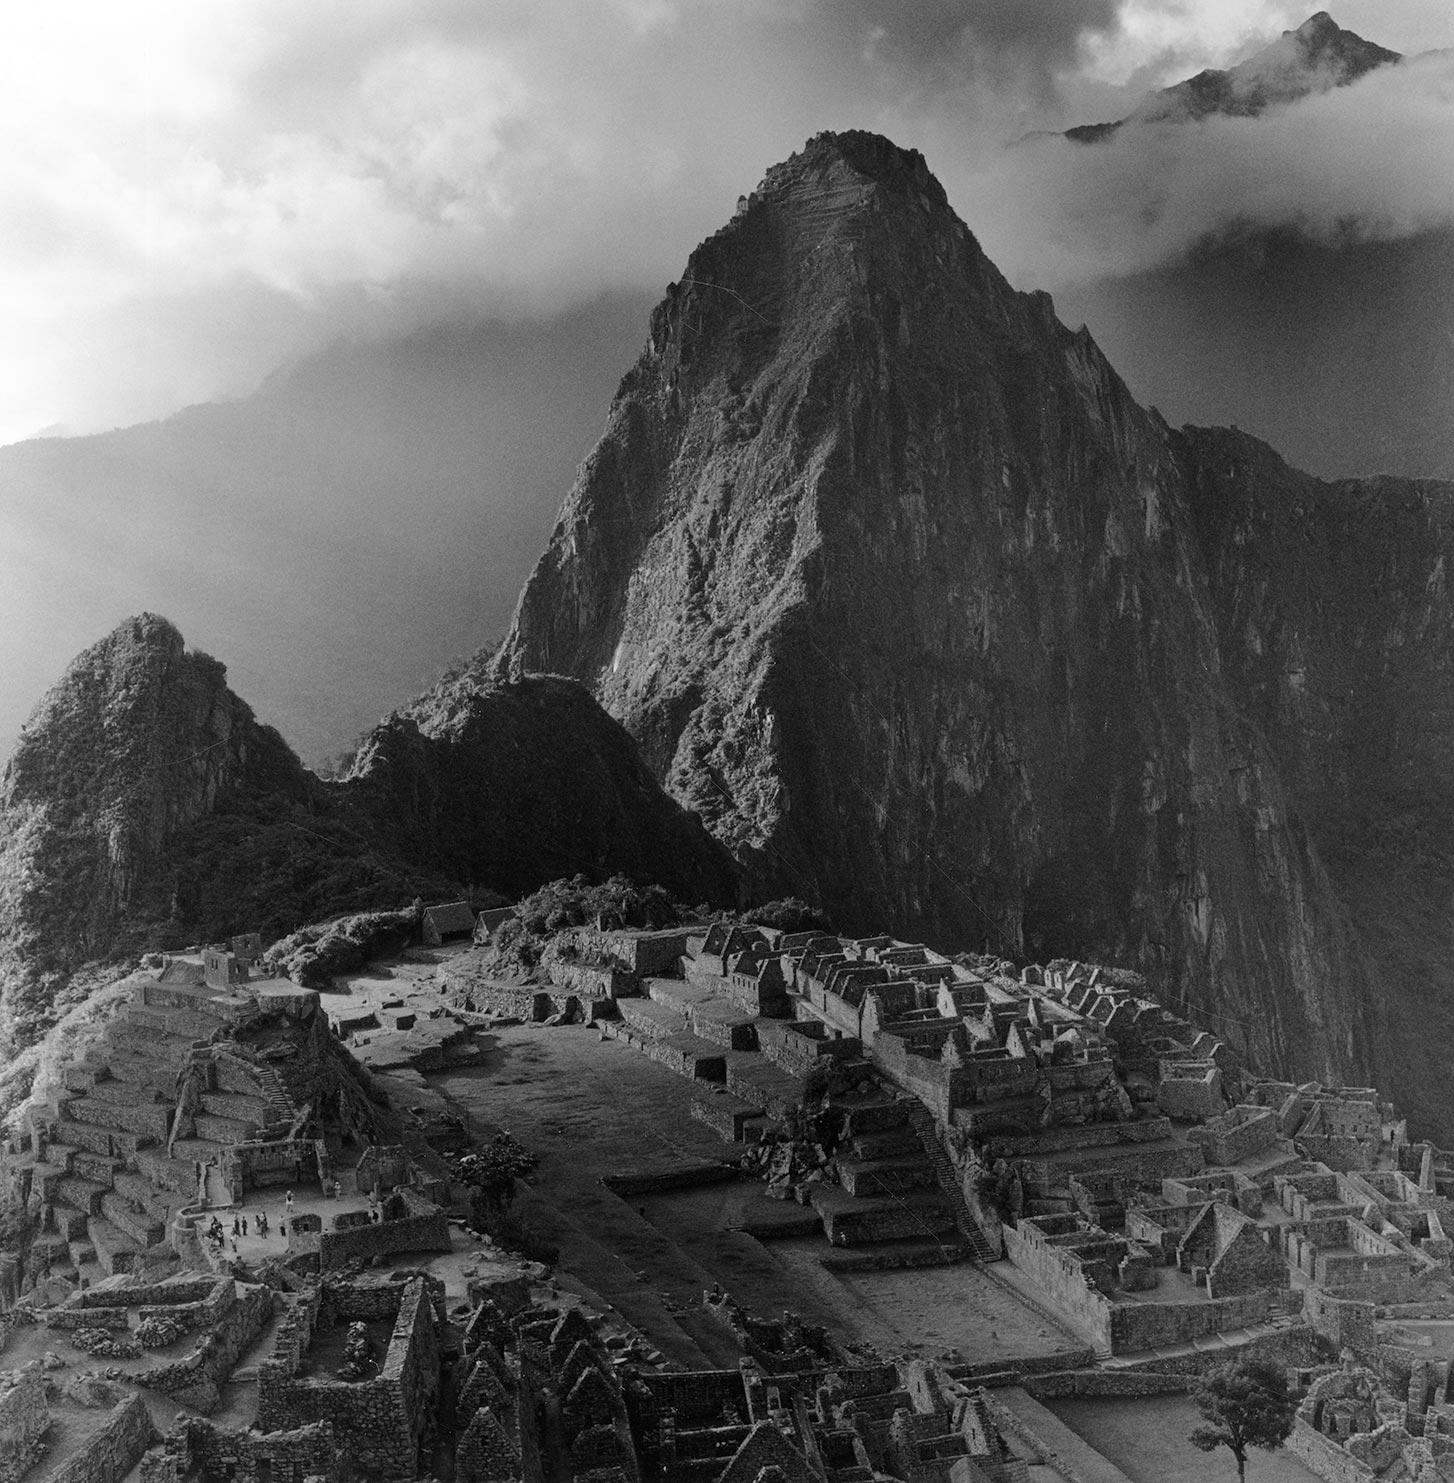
947 1179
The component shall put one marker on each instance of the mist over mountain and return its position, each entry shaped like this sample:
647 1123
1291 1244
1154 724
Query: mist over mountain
341 536
1336 345
1318 55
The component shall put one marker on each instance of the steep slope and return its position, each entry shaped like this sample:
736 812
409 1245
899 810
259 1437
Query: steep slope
1317 56
146 807
900 589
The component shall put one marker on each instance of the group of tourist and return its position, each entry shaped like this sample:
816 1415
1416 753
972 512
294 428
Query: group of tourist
261 1225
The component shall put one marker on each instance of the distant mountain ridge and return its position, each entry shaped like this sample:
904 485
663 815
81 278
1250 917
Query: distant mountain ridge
1317 56
898 588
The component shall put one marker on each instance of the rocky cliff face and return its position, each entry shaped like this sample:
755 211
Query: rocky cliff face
146 807
900 589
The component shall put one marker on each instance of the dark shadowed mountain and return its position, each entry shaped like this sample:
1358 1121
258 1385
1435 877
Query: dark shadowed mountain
900 589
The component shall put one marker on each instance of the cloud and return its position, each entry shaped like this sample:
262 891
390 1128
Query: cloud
208 189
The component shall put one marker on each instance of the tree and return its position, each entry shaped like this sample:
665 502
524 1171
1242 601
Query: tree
491 1171
1245 1404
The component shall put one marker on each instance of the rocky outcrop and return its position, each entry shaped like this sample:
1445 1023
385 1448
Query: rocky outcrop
145 807
899 588
138 742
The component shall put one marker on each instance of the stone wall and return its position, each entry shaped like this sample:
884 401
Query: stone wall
1137 1326
384 1418
24 1419
195 1446
1190 1091
591 983
196 1379
1107 1383
410 1224
110 1452
284 1161
1239 1134
1324 1456
1060 1281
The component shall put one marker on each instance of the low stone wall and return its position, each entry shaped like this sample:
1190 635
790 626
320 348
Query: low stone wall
169 1294
592 981
1239 1134
1136 1326
688 1176
419 1226
196 1378
68 1317
1324 1456
196 1446
529 1002
200 1313
1107 1383
110 1452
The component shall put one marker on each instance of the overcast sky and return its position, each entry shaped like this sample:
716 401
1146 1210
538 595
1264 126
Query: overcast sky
197 192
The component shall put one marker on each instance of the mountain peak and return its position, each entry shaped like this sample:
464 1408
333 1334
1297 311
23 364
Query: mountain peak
1316 57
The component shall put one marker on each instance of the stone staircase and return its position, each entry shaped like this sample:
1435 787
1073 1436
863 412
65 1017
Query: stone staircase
946 1177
